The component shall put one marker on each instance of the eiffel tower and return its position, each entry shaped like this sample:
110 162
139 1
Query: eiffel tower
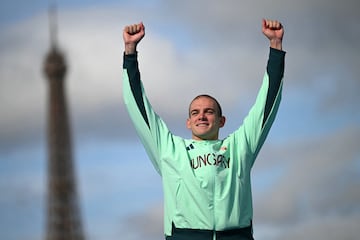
63 221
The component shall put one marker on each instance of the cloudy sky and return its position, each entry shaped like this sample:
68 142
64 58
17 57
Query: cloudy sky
306 181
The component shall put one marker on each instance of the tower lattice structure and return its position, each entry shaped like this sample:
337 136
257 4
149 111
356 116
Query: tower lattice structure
63 220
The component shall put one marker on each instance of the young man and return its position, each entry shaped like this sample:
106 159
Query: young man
206 181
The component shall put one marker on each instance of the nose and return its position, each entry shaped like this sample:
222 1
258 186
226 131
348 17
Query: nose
202 116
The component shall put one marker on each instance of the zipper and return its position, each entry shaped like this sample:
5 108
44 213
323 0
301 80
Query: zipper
214 196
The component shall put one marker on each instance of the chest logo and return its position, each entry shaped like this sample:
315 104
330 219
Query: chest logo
210 159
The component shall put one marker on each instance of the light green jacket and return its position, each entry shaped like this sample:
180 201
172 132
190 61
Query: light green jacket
206 184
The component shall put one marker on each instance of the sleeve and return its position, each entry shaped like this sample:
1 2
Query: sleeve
150 128
261 116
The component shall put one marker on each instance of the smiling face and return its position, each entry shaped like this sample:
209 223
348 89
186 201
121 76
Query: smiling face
205 118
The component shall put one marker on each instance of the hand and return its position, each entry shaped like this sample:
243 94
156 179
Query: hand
132 35
274 31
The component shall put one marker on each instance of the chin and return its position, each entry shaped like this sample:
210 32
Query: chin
207 137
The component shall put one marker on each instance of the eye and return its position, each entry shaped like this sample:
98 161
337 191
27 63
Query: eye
210 111
194 113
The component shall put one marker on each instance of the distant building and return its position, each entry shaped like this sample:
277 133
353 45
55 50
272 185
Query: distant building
63 220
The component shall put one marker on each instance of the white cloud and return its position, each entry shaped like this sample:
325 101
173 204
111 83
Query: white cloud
92 45
225 46
320 179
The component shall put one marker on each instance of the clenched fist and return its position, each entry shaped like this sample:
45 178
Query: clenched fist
274 31
132 35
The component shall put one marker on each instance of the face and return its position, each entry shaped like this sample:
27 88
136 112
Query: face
204 119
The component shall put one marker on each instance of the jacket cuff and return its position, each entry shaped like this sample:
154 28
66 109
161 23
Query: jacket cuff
129 60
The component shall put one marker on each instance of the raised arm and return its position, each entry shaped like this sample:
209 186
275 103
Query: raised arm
151 129
132 35
274 31
262 115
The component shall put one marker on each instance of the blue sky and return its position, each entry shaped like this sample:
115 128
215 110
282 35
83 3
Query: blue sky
307 176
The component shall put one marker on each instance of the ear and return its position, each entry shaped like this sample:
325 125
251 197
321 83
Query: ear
188 123
222 121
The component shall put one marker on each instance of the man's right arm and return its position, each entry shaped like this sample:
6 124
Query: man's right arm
139 109
132 35
131 67
150 128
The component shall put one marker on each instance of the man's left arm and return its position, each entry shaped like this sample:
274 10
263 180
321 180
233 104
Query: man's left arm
275 72
258 122
274 31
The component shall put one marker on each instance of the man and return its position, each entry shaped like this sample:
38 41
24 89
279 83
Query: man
206 181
